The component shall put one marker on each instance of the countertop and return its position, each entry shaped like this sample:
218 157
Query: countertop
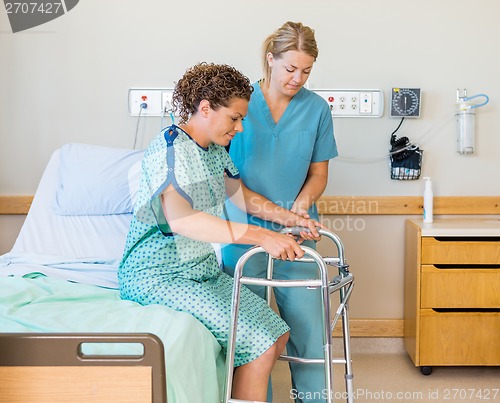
461 227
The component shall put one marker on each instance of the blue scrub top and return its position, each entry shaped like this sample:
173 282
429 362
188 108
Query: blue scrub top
273 158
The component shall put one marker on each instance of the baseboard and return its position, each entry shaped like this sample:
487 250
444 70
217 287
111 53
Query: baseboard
372 328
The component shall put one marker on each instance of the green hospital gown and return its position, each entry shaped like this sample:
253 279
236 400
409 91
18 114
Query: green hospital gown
161 267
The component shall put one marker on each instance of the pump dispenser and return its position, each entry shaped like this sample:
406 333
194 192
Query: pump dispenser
428 201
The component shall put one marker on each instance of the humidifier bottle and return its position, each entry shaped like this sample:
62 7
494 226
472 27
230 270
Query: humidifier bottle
465 119
428 201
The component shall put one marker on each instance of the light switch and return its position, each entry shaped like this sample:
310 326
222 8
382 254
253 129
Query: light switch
365 102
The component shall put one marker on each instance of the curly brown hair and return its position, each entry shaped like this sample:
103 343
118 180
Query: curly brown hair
216 83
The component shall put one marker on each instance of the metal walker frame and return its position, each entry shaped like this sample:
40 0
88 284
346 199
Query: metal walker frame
343 283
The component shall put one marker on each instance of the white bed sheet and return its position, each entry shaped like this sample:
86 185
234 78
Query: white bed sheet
61 245
47 233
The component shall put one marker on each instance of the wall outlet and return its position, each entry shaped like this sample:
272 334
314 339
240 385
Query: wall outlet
166 101
354 103
157 101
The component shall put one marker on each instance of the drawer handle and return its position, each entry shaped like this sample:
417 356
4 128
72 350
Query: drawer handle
467 239
471 310
467 266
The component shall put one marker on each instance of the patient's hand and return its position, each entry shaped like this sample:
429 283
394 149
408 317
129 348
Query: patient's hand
281 246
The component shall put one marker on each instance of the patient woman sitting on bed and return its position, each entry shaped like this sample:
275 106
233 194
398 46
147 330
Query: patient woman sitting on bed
169 258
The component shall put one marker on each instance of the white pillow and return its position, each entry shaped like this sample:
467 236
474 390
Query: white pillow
96 180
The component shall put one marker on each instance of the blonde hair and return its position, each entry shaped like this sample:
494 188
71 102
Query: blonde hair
290 36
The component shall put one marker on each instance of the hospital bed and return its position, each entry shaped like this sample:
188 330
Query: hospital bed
61 317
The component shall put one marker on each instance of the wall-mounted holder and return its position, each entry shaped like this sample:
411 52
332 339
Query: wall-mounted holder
406 159
465 118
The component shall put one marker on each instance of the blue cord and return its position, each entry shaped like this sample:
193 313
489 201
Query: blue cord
170 110
477 96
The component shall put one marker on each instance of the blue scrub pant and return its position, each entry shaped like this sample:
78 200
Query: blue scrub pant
300 308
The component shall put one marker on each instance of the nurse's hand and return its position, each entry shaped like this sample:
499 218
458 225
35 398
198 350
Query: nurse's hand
312 225
301 212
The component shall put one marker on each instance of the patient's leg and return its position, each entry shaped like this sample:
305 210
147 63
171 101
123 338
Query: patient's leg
250 380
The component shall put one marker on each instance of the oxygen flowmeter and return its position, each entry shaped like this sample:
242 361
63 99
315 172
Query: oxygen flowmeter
465 118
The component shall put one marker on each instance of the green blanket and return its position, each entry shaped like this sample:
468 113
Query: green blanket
194 363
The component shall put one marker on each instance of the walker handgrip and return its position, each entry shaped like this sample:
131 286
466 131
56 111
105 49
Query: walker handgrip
296 230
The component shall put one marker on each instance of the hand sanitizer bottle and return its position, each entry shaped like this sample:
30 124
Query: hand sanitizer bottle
428 201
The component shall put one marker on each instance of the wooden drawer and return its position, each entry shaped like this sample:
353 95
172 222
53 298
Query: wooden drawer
459 288
459 338
451 250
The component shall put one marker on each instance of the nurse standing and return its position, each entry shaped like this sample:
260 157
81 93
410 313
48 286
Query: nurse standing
283 154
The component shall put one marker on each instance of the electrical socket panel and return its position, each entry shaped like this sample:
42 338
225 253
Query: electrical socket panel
158 101
166 101
354 103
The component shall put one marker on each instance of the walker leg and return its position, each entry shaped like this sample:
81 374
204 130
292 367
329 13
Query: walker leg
233 324
327 342
349 376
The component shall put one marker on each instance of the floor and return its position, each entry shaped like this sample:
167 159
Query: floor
383 372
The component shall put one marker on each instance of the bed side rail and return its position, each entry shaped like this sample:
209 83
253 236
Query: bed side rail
68 350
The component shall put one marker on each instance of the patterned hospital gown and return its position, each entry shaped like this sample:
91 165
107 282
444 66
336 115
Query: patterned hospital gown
160 267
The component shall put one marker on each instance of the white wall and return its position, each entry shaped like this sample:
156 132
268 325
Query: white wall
67 81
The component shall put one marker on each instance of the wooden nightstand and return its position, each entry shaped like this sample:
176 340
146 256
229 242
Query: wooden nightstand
452 292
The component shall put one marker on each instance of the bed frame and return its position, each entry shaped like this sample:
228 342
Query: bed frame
57 370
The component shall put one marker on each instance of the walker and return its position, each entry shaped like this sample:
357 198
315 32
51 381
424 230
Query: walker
343 283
